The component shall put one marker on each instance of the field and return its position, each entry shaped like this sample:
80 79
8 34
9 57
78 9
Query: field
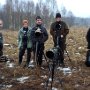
75 75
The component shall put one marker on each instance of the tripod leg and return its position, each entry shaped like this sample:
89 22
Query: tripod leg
44 56
36 56
53 67
49 77
60 57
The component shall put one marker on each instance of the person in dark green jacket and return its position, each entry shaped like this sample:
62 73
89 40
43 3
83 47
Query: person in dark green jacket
24 42
59 31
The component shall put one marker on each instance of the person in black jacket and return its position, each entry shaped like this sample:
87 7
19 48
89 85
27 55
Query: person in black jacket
38 36
88 38
87 62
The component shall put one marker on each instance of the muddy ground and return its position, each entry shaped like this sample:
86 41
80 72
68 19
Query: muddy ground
74 76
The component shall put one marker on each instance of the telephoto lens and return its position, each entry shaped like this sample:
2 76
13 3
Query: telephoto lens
58 26
38 32
53 53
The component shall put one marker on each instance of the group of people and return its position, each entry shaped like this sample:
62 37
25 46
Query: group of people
29 38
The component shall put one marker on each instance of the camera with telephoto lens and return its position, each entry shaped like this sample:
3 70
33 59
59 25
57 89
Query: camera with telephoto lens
53 53
38 32
58 26
57 31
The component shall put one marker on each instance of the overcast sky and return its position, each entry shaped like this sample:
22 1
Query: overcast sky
80 8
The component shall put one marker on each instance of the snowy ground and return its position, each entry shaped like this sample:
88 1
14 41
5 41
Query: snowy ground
74 76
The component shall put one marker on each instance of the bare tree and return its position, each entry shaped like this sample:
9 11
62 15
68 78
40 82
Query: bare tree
45 14
53 5
14 11
9 12
63 11
38 11
70 18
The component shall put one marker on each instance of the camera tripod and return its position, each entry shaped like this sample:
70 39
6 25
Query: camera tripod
53 63
56 61
37 54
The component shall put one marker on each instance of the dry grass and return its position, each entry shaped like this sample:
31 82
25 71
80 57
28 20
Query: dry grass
76 46
76 42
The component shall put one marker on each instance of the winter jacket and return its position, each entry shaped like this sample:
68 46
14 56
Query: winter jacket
42 38
20 38
62 31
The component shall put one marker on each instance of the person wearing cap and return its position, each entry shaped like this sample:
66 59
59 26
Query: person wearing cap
59 29
39 35
24 42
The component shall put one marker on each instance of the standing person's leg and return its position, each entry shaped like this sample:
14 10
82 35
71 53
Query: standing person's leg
28 55
21 53
35 52
40 53
55 43
62 53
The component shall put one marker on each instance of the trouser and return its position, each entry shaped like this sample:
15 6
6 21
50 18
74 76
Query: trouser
87 62
21 53
39 51
1 49
61 51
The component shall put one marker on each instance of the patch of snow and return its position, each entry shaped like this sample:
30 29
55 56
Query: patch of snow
2 77
71 40
44 77
50 79
5 86
31 61
8 86
79 48
22 79
66 71
10 65
6 44
77 85
53 88
42 84
77 53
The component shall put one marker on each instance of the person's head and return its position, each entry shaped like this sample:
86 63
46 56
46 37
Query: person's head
38 20
25 23
58 17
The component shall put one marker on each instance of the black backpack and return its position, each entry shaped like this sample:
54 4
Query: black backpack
87 62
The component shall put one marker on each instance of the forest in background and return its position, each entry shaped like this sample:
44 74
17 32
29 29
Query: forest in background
14 11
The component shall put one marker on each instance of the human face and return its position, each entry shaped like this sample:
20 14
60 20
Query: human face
25 25
39 21
58 19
